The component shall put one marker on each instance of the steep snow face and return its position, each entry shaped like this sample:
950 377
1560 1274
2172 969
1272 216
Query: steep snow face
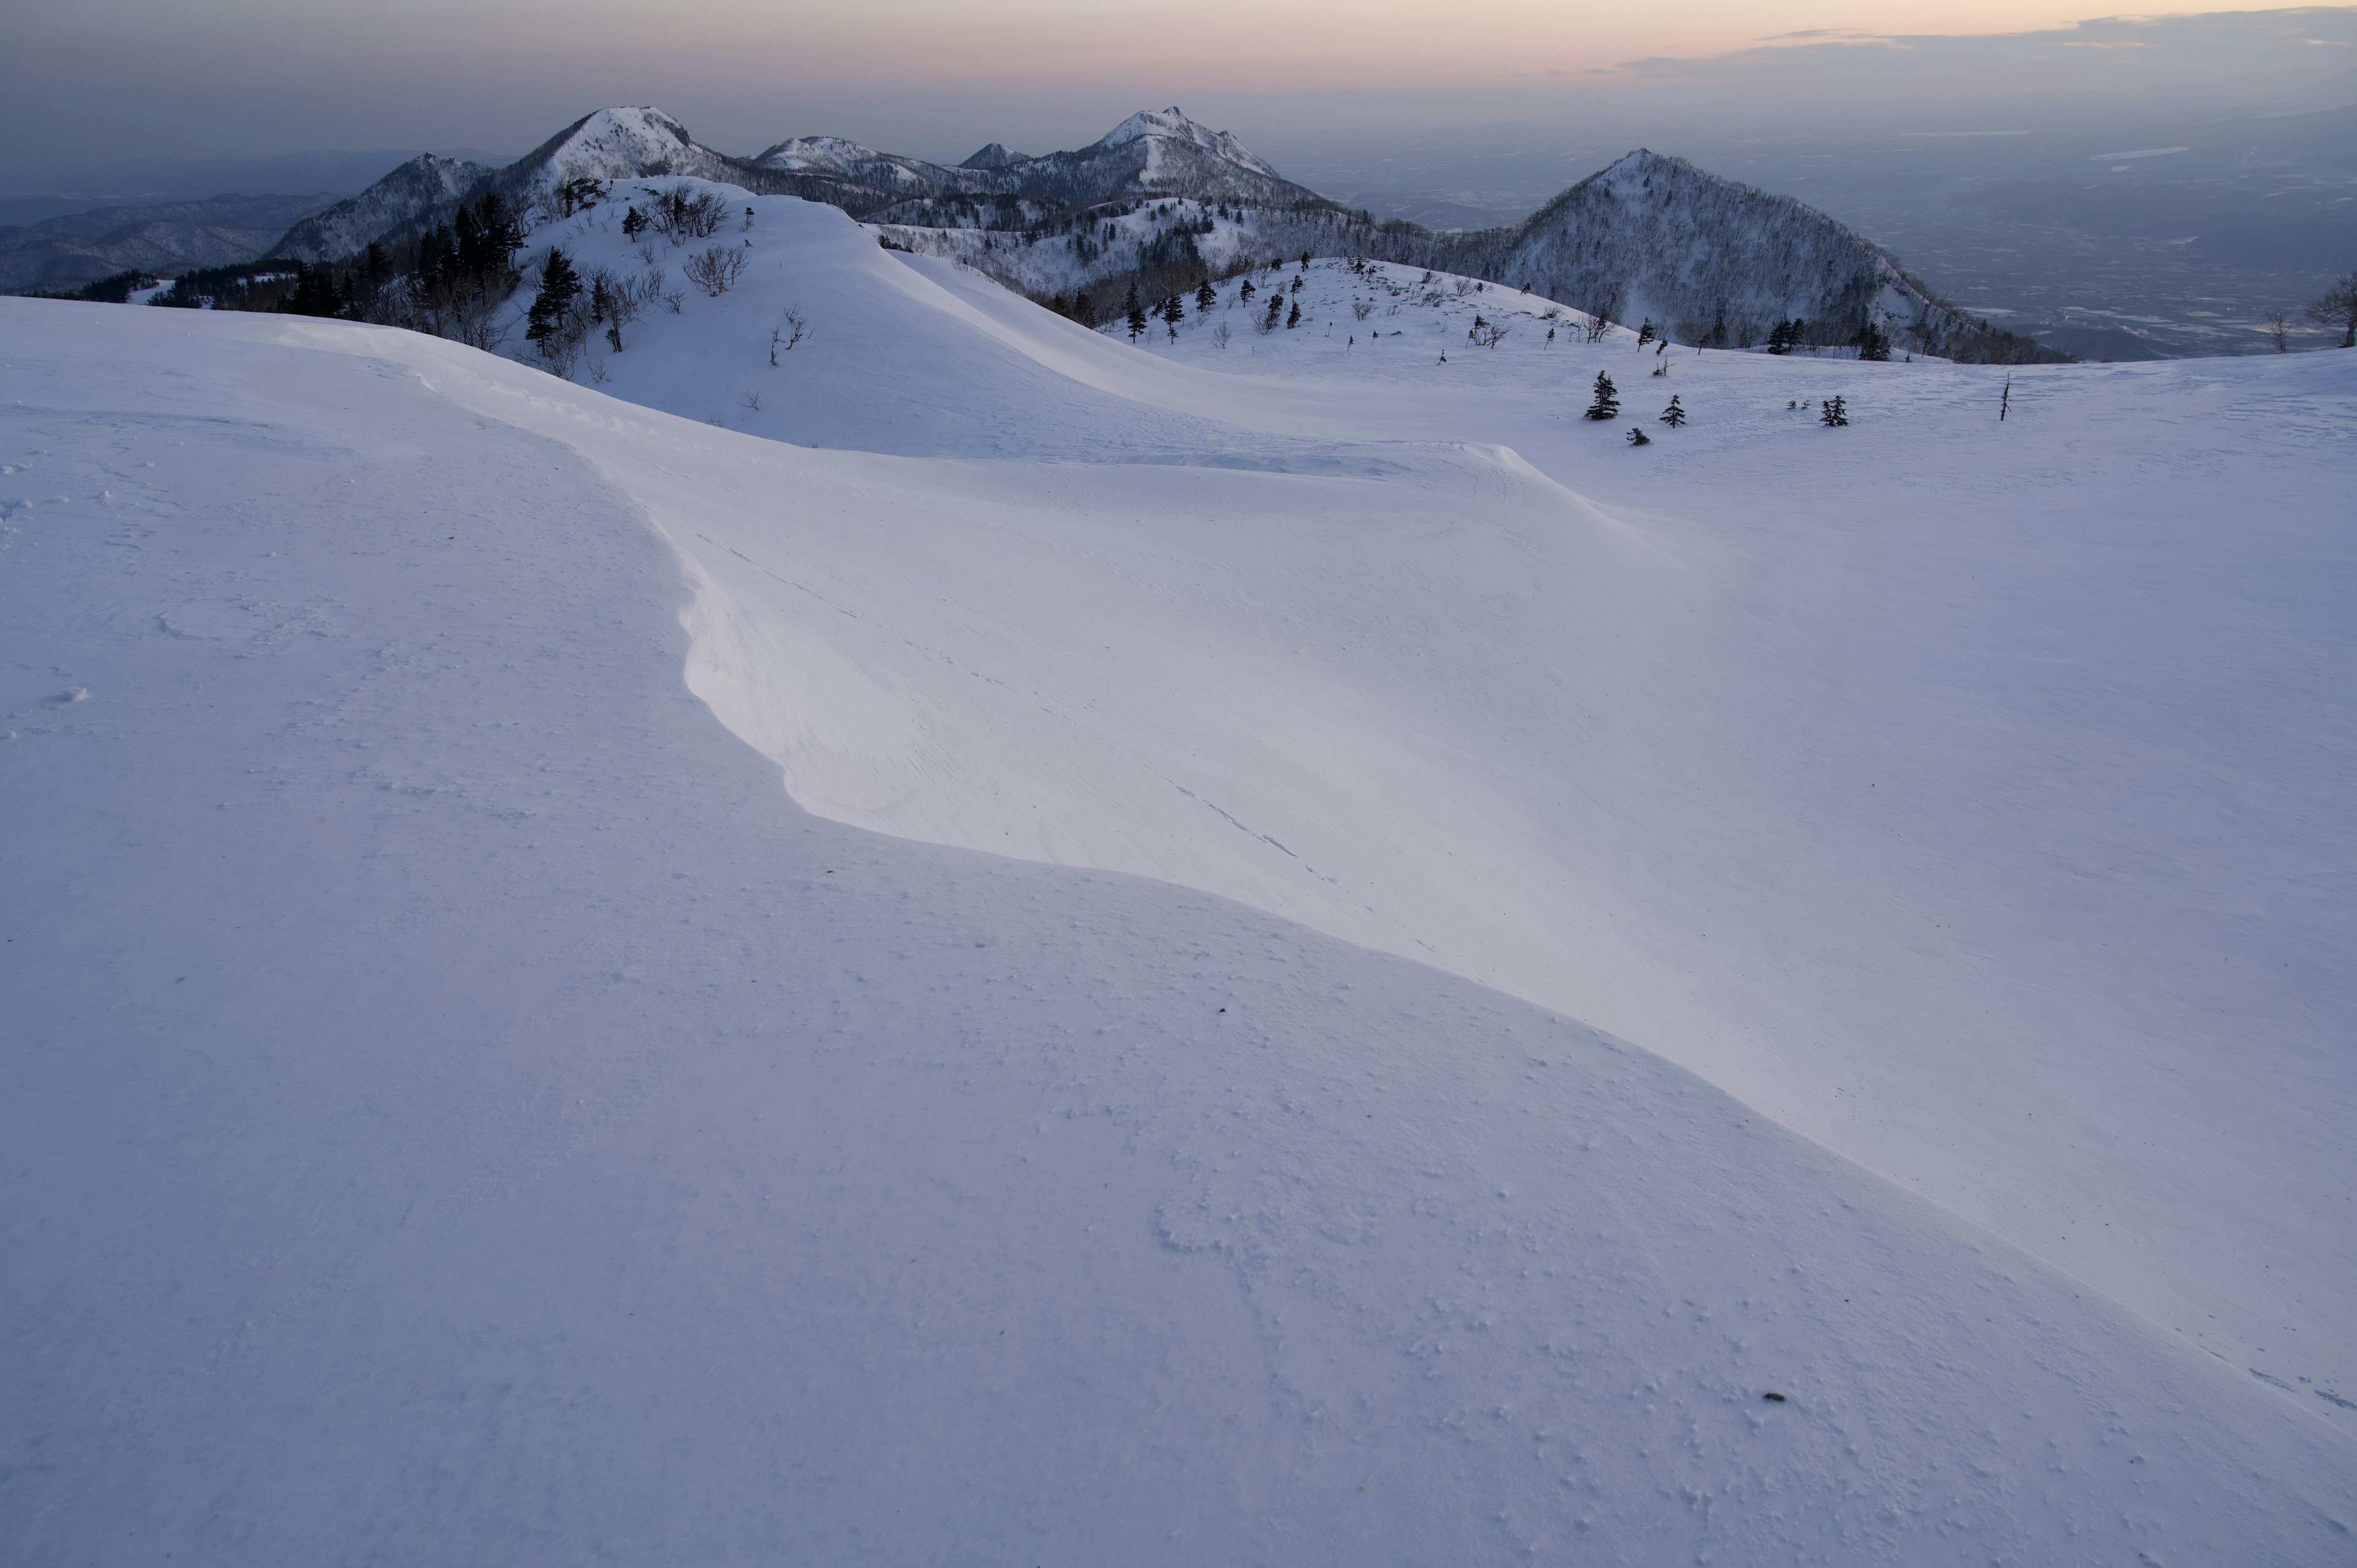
419 194
1949 789
1654 236
458 1110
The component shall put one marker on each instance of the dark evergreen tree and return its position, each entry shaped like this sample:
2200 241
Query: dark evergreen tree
1674 415
1608 399
634 223
559 285
1174 310
1205 297
1276 309
1835 414
1295 319
1244 294
1779 340
1133 312
314 292
1084 310
1872 342
1637 437
1645 333
487 237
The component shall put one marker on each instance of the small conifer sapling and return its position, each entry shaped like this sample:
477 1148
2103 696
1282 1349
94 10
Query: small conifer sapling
1637 437
1674 415
1606 404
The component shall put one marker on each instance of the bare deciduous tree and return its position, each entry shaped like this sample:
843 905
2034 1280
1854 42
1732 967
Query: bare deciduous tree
2278 327
788 332
681 215
2338 309
715 269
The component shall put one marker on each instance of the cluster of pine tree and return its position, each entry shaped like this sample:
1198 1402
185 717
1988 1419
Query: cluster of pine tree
1079 307
113 289
449 282
1786 336
1873 343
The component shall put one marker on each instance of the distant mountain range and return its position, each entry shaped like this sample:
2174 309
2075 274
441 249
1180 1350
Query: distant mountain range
1650 237
72 249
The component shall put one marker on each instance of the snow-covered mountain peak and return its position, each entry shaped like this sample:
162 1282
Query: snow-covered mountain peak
623 132
1172 125
816 152
997 155
621 143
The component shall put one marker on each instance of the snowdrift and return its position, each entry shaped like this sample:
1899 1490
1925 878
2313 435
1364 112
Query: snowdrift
1964 794
463 1109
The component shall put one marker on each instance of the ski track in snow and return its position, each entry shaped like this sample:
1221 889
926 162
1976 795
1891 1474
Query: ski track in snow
462 1108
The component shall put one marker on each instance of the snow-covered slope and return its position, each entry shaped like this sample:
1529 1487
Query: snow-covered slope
1957 792
420 193
460 1110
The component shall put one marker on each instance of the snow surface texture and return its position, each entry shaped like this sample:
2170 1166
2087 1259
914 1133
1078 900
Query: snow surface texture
461 1111
1857 778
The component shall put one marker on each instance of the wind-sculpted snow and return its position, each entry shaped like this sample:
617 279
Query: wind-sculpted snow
1957 791
460 1110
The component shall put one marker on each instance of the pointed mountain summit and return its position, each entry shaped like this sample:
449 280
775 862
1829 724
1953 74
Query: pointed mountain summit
1172 125
997 155
1710 259
622 142
1159 153
626 142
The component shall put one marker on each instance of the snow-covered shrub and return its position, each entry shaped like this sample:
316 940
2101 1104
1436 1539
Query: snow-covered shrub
715 269
680 214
